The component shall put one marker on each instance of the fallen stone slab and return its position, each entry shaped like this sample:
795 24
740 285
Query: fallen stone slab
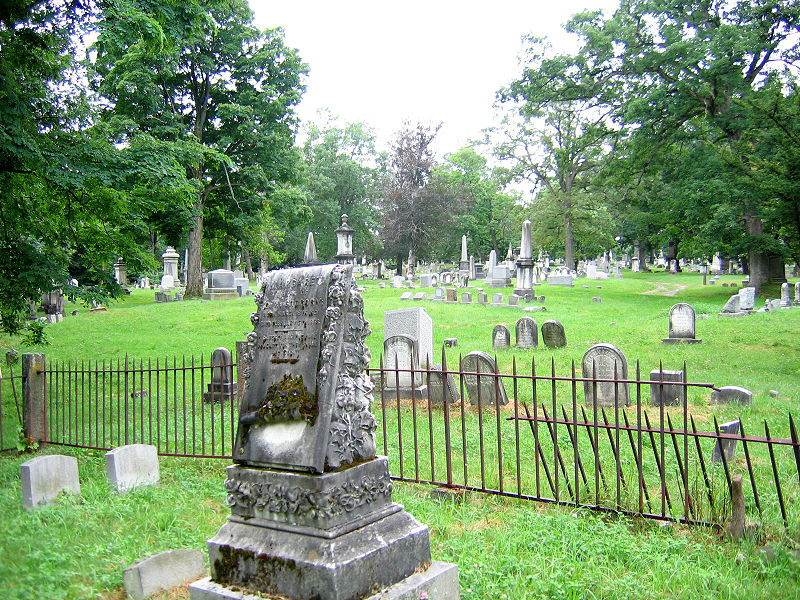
732 393
162 571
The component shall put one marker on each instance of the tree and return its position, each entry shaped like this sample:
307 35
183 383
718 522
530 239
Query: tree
68 197
410 212
201 76
668 69
476 205
560 146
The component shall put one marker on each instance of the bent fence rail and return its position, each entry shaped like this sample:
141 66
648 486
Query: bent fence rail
545 444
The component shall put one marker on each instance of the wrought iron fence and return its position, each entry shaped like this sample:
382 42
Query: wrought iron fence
10 409
544 444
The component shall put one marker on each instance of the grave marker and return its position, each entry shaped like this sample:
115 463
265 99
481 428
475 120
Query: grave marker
609 363
553 334
43 478
501 337
132 466
527 333
483 390
681 325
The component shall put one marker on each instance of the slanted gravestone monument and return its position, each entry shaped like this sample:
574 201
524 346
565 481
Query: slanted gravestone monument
726 445
483 390
681 325
501 337
527 333
605 361
437 391
311 509
553 335
732 393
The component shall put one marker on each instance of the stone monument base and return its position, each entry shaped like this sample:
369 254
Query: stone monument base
439 580
525 294
404 393
220 294
670 340
217 392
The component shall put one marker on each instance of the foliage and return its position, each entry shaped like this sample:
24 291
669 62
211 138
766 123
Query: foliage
36 334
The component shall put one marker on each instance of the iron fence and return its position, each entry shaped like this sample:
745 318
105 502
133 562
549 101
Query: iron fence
545 444
10 409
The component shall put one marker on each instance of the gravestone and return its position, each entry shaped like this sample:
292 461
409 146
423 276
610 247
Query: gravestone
220 285
668 393
132 466
527 333
565 280
451 342
43 478
242 285
524 264
726 445
401 352
497 299
681 325
786 295
483 390
747 298
501 337
414 322
426 280
439 294
797 294
436 386
311 508
221 387
606 360
466 298
513 300
483 298
406 296
420 296
397 281
732 393
162 571
732 307
452 295
170 277
553 335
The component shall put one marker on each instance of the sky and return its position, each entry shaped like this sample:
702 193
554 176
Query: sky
383 63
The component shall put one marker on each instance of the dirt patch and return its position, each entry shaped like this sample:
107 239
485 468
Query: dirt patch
665 289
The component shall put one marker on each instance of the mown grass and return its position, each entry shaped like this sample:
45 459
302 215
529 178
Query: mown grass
504 547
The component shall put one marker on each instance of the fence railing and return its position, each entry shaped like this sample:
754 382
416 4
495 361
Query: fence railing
525 434
10 408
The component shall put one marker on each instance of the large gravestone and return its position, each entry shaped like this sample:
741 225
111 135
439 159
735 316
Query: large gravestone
747 298
501 337
786 295
681 325
605 362
311 510
483 390
527 333
220 285
400 355
553 334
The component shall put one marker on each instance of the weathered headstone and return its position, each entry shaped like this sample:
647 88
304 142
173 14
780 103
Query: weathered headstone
732 307
312 515
726 446
222 386
607 362
797 293
466 298
439 294
426 280
397 281
436 386
786 295
43 478
513 300
681 325
732 393
420 296
497 299
310 254
501 337
401 352
414 322
747 298
668 393
344 243
524 263
483 298
132 466
169 280
406 296
451 342
452 295
527 333
553 334
483 390
162 571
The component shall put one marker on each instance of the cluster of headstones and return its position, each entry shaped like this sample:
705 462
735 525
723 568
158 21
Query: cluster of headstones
127 467
450 296
527 334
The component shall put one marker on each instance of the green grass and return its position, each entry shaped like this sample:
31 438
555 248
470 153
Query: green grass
503 546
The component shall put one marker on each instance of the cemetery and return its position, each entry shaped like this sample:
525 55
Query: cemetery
247 353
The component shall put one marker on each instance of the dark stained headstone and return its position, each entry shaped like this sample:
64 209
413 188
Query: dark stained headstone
436 386
553 335
483 390
501 337
667 391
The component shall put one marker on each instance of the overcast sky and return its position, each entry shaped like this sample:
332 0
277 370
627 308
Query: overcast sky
385 62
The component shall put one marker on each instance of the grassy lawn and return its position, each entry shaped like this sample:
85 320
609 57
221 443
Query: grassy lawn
504 547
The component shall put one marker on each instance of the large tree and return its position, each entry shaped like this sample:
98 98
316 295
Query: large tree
410 212
201 75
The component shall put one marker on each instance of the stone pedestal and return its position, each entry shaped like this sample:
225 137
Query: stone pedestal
524 278
220 286
334 536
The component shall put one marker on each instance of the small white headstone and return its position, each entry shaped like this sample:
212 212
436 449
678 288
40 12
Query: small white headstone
132 466
43 478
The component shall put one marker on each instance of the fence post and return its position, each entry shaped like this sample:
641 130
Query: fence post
34 406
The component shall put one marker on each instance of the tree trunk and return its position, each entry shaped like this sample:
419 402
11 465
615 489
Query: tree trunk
672 254
399 264
248 264
758 262
569 246
264 262
641 254
194 268
226 256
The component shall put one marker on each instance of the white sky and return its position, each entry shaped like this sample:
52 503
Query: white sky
385 62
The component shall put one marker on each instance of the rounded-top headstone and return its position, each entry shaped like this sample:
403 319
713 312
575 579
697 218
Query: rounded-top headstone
553 334
605 362
527 333
483 390
501 336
